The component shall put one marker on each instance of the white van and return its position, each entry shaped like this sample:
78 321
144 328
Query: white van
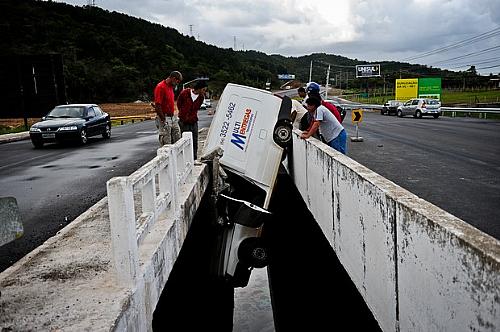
245 145
252 127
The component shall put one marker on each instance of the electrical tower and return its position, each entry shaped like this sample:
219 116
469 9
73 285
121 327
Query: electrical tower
91 3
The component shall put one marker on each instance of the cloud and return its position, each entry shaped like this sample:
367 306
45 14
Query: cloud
371 30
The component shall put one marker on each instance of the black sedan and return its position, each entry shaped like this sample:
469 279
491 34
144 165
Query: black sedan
74 122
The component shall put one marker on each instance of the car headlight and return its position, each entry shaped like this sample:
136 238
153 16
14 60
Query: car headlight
35 130
67 128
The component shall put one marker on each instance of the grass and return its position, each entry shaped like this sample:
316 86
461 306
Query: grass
11 129
470 97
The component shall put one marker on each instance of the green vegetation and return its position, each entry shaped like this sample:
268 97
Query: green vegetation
470 97
11 130
113 57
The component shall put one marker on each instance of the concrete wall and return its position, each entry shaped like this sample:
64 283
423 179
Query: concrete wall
418 267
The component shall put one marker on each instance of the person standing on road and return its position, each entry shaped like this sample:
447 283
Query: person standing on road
302 95
330 128
164 104
188 104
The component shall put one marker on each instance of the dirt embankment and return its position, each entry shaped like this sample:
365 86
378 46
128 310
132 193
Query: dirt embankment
114 110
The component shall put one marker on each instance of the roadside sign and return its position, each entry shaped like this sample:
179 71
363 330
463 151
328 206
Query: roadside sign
357 115
406 88
368 70
429 87
286 76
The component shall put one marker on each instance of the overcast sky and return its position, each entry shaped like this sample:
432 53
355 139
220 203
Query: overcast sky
368 30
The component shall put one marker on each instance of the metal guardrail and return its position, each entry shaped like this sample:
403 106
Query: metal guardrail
132 118
481 111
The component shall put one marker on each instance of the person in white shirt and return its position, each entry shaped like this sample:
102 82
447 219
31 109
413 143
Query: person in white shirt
330 128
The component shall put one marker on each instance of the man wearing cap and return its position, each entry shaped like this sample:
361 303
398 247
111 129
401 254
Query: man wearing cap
332 131
166 121
188 104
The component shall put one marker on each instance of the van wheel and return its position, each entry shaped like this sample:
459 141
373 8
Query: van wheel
253 252
400 114
418 114
282 134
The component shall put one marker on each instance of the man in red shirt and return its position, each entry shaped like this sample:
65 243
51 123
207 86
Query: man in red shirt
166 121
188 104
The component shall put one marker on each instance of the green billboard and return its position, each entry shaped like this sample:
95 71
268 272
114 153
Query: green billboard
429 88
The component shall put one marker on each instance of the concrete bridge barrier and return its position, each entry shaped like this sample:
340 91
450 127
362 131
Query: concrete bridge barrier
105 271
418 267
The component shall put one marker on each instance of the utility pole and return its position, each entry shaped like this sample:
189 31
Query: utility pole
327 80
191 30
310 71
340 80
384 85
234 43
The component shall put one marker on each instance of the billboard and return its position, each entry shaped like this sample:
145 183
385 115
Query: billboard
286 76
368 70
406 88
429 88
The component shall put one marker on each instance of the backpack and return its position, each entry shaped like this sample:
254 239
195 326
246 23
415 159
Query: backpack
333 109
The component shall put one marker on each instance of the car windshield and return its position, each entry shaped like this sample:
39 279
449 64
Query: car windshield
66 112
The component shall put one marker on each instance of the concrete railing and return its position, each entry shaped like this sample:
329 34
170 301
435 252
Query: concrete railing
418 267
156 185
106 270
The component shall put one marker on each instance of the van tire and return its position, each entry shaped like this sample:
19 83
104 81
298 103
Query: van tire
418 114
282 134
400 114
253 252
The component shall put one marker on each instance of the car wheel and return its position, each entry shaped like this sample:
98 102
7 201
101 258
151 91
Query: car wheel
382 112
418 114
253 252
436 116
282 134
107 131
400 114
83 136
37 144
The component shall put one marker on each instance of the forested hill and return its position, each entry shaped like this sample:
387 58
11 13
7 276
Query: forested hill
110 56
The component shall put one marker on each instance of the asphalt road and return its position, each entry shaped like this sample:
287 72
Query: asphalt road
453 163
56 184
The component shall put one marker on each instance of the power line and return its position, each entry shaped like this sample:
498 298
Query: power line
471 40
466 64
486 50
488 67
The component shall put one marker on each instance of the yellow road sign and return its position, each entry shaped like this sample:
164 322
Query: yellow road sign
357 115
